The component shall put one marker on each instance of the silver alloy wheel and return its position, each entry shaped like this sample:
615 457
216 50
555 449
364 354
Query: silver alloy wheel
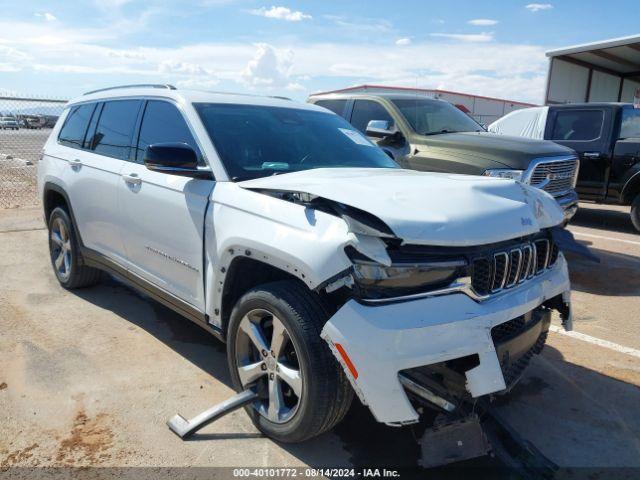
61 249
267 361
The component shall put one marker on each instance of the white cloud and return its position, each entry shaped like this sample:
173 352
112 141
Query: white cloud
403 41
49 17
280 13
482 22
270 68
466 37
360 25
172 66
535 7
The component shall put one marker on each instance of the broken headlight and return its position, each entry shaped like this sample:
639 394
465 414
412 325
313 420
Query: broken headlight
405 277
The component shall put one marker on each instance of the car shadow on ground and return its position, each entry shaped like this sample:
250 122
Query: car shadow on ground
605 219
600 424
617 274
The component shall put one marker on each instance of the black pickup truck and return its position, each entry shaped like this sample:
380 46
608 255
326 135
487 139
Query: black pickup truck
606 137
425 134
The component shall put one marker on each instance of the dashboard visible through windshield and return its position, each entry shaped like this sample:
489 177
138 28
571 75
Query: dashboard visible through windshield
256 141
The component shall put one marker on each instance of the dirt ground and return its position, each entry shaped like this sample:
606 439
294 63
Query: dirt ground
90 377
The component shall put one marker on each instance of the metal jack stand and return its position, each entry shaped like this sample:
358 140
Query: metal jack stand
184 428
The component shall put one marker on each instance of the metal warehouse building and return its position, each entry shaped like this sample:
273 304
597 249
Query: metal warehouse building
484 109
607 71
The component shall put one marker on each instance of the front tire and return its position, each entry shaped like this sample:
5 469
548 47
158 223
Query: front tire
635 212
274 347
64 251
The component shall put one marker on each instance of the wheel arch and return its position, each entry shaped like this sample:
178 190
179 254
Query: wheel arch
631 188
53 195
243 273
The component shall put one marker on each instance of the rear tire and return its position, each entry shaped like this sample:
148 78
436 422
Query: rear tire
325 391
635 212
66 259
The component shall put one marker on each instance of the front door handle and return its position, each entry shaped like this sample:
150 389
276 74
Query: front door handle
591 154
75 163
132 179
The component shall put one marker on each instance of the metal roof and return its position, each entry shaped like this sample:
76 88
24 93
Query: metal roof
619 56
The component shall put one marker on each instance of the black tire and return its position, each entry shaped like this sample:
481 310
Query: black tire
79 275
327 394
635 212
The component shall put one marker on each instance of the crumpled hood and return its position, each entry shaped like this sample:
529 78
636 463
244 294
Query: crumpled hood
429 208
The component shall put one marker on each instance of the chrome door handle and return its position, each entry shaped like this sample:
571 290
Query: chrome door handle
75 163
591 154
132 179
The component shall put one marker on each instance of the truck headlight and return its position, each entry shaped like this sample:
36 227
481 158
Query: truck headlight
504 173
403 278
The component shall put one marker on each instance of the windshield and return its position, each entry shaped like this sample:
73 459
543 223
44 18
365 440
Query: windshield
432 117
256 141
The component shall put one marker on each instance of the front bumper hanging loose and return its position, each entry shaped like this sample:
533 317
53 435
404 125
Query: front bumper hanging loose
377 342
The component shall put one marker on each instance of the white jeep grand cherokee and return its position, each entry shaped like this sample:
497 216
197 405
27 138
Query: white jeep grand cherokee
327 269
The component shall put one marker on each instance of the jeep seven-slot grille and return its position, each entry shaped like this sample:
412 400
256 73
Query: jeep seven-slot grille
509 267
556 177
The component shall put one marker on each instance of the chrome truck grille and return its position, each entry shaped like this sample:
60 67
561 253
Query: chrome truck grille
510 267
557 176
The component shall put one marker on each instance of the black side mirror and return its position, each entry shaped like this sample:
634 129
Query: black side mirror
174 159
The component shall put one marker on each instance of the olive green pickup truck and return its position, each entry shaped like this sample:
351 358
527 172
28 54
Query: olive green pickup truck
425 134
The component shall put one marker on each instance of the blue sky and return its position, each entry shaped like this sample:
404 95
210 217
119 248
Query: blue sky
63 48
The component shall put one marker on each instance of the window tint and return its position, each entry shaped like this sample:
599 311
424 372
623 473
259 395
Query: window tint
163 123
581 125
256 141
433 117
75 126
115 128
366 110
336 106
630 126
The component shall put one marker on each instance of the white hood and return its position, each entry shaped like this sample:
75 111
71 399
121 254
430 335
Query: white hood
429 208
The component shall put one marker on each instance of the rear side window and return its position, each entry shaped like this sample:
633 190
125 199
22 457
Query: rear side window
163 123
336 106
578 125
115 128
75 126
366 110
630 126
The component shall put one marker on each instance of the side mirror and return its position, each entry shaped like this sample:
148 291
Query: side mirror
174 159
380 129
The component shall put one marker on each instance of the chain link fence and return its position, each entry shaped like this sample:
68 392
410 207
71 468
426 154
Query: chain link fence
25 125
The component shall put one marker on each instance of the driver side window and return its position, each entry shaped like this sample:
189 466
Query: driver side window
366 110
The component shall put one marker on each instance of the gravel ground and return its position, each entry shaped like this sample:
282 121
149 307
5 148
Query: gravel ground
90 377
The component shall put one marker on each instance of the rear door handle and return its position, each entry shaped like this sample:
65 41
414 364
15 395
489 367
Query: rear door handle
132 179
591 154
75 163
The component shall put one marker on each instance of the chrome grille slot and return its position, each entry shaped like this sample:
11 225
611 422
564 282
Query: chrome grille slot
542 254
555 176
527 258
501 265
515 264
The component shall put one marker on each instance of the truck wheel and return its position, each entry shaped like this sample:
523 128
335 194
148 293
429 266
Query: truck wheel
66 258
635 212
274 347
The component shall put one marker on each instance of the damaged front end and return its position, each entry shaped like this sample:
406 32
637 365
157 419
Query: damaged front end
436 326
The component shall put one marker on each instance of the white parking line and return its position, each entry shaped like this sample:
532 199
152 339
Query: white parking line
590 235
596 341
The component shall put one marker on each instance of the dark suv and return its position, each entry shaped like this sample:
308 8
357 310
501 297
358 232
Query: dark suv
432 135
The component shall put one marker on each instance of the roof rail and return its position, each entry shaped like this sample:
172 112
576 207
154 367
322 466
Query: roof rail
138 85
280 97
